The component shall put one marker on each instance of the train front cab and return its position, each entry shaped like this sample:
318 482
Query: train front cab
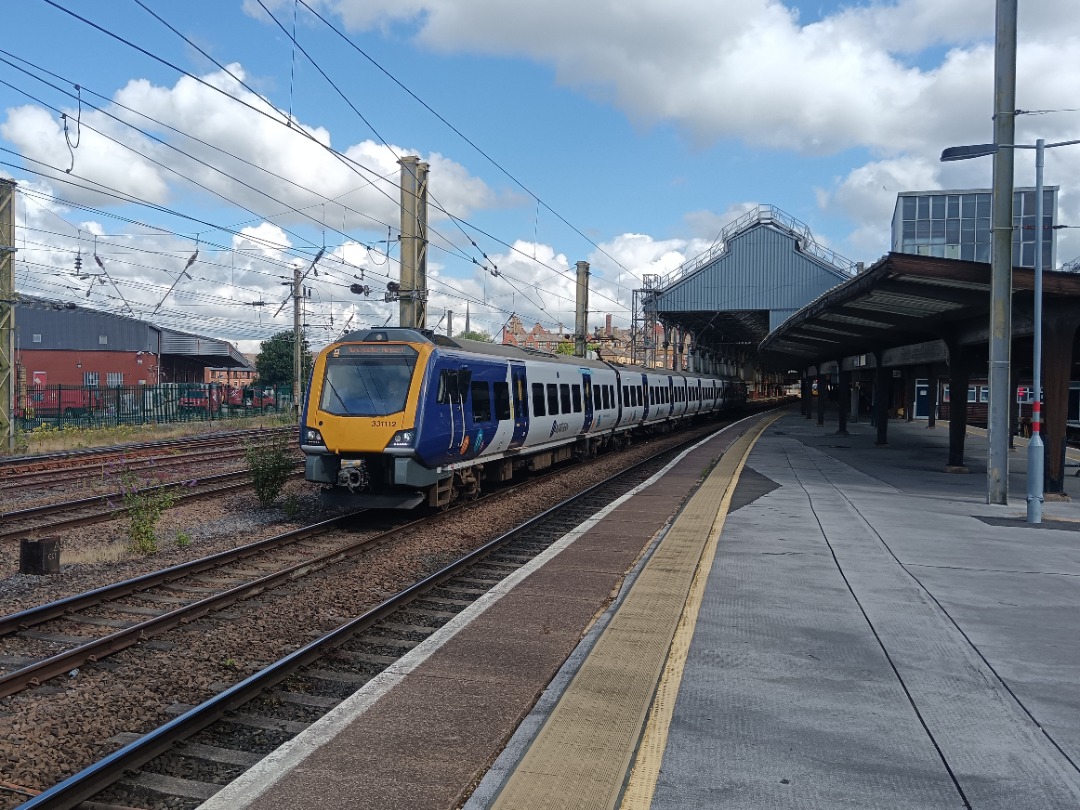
360 418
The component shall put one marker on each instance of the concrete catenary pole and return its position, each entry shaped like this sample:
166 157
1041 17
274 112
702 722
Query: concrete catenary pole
449 323
298 341
412 308
581 315
997 464
7 315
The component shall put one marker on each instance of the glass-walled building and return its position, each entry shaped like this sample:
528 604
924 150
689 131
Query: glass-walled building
956 225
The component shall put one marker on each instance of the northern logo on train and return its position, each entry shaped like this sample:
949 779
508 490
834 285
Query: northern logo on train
558 427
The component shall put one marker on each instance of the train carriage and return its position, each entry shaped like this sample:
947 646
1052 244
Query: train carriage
399 417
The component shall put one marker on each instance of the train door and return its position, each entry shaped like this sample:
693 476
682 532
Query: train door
587 399
671 395
645 397
618 398
519 387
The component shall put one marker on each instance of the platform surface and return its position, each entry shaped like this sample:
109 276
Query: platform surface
871 634
863 631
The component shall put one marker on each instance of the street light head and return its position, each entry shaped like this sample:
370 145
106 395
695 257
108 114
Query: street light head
967 152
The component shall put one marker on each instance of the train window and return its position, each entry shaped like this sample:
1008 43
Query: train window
553 398
538 400
626 395
448 387
369 384
605 393
564 396
597 396
481 401
502 401
575 392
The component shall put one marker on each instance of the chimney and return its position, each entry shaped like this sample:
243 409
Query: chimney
607 324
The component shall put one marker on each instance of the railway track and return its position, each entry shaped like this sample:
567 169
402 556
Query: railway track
189 758
198 458
13 467
36 521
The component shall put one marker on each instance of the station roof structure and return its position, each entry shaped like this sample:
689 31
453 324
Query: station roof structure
905 299
762 268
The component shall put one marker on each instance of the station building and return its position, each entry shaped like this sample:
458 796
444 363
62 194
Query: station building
956 225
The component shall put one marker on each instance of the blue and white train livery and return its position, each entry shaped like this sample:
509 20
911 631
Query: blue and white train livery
400 417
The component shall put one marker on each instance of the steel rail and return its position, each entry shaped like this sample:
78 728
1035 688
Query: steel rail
30 617
93 651
91 780
7 465
97 517
45 478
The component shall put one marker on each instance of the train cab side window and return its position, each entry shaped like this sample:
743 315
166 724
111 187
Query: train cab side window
575 392
502 401
481 401
553 398
448 387
538 400
564 396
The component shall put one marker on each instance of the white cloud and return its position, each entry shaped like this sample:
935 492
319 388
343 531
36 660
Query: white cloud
900 79
290 167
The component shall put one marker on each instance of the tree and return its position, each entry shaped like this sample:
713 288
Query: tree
483 337
275 360
565 347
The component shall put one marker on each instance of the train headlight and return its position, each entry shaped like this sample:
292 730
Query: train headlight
403 438
312 436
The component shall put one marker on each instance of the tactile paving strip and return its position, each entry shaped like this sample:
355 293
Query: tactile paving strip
583 753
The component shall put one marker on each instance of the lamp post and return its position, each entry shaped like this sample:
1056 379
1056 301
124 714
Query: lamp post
1036 449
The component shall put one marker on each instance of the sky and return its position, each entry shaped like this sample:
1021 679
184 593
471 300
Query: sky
177 161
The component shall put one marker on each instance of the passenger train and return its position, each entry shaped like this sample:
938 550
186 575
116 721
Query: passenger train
395 418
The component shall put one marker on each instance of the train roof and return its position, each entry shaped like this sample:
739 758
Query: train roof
400 335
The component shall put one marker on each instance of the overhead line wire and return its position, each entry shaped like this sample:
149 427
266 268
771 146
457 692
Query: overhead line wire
458 132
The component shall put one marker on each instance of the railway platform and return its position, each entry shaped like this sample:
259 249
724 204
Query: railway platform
785 618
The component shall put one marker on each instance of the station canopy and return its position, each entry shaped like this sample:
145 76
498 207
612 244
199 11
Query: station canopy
904 299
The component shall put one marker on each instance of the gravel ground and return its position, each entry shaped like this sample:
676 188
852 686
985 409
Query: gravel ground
50 733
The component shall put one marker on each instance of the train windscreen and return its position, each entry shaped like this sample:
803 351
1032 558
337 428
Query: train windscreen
367 380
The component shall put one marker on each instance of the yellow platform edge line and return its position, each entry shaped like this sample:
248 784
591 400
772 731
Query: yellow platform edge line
641 785
582 754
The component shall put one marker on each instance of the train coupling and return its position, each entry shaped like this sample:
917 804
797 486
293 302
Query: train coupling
354 475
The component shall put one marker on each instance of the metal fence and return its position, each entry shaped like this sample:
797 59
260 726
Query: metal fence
84 406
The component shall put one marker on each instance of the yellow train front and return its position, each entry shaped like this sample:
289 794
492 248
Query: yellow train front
358 430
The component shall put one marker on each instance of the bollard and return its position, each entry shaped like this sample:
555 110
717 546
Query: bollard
39 556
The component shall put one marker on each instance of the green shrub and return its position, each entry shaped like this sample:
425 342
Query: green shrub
144 509
270 467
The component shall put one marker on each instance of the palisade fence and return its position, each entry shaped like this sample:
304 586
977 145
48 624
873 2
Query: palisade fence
86 406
